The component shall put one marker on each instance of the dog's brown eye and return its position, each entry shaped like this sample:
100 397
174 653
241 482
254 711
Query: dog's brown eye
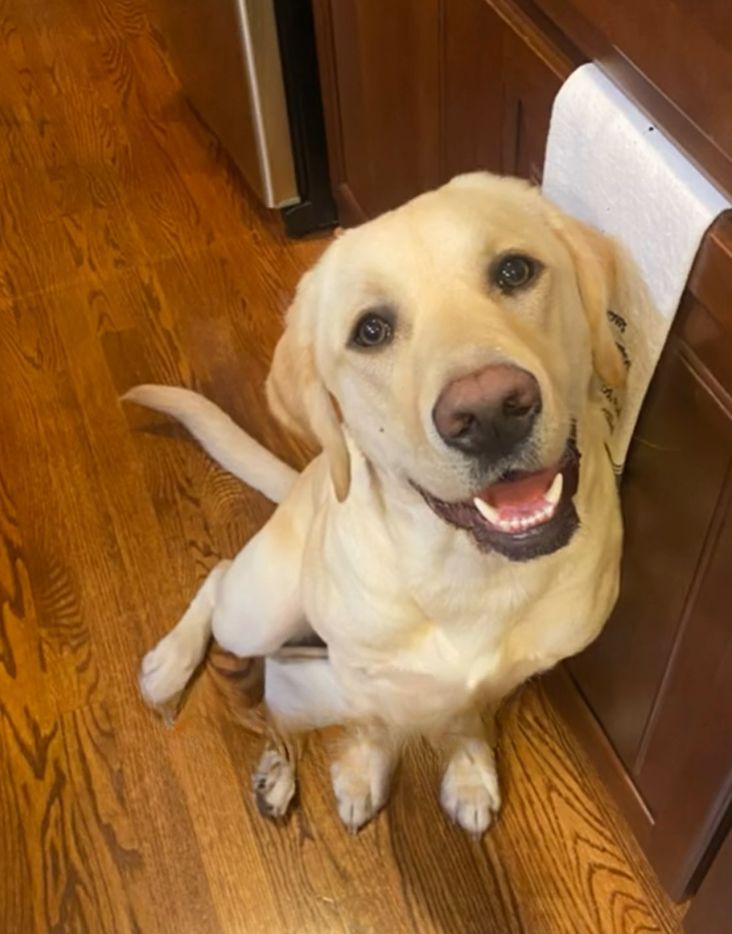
372 330
513 271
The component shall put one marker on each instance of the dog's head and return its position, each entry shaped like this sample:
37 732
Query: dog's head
456 339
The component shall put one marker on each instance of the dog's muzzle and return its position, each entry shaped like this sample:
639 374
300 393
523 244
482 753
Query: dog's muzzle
523 515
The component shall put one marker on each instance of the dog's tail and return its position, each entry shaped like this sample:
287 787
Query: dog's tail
223 439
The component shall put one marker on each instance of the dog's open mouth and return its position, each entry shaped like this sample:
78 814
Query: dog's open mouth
524 514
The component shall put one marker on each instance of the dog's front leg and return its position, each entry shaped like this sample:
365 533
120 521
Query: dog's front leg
361 772
469 793
167 668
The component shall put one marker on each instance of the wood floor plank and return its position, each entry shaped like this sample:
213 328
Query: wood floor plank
131 250
16 883
77 533
191 766
63 861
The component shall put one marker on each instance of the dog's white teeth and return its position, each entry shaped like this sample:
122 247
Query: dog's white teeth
487 511
554 492
522 523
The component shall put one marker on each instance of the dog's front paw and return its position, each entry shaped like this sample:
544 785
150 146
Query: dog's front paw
165 671
470 794
361 783
274 784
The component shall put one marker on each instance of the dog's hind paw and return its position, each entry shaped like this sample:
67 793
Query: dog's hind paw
274 784
470 795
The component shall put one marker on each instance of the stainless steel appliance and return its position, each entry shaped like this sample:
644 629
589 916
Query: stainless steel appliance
249 68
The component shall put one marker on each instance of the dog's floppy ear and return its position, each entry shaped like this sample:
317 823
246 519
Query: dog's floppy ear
594 258
296 392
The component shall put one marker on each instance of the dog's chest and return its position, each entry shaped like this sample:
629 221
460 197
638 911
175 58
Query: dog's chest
409 642
421 678
420 625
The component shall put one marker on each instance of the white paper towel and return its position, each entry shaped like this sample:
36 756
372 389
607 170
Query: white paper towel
606 164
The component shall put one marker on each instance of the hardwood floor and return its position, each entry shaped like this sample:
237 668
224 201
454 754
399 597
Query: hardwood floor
129 251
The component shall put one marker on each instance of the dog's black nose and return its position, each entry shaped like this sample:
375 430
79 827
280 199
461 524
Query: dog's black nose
488 413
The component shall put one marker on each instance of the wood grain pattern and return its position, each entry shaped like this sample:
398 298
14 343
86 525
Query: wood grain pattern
381 79
130 250
709 913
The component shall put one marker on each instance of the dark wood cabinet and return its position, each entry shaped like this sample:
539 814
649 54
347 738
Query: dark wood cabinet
471 99
432 89
672 486
709 912
674 56
533 69
380 74
657 679
445 86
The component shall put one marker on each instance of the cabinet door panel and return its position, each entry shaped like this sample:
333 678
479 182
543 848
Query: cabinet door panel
473 88
685 773
428 90
386 70
709 912
671 489
530 86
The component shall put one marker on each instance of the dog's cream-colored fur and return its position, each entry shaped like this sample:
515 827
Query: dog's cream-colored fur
424 631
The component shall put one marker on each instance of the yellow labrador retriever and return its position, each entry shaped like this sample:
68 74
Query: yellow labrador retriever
460 530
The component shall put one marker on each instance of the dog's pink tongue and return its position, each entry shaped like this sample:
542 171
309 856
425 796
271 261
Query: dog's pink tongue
524 492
